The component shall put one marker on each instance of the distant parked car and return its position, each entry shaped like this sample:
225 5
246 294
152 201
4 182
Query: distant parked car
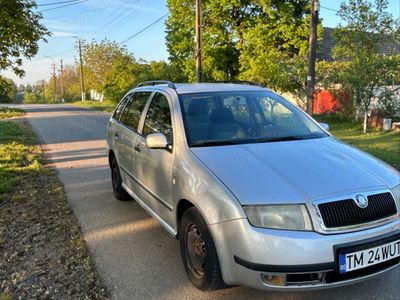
256 191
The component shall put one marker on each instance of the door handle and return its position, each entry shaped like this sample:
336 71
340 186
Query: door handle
137 148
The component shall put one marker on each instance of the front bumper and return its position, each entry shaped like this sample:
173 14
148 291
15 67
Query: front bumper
278 260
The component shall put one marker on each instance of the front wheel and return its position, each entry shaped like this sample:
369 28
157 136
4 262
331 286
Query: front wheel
198 252
116 180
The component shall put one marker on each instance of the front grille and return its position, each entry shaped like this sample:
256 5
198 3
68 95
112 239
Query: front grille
347 213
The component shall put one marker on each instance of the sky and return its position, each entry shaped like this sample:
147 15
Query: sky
137 24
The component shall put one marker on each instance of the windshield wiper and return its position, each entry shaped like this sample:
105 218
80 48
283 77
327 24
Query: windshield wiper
280 139
253 141
216 143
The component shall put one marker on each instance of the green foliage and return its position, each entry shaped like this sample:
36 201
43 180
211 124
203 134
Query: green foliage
358 44
18 155
126 73
107 106
274 51
20 32
264 41
5 296
100 59
224 23
8 90
33 97
6 113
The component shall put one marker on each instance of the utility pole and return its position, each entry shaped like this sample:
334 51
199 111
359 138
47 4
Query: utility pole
55 82
81 62
312 52
62 80
199 61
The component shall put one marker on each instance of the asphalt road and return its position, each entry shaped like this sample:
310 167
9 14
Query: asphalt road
135 256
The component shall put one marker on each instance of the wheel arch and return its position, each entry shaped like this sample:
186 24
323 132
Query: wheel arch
111 156
182 206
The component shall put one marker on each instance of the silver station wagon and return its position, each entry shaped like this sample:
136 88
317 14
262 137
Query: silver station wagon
256 191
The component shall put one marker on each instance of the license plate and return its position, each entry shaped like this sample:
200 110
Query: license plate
364 258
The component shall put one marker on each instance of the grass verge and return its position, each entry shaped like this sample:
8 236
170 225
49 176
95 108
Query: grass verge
384 145
106 106
6 113
43 253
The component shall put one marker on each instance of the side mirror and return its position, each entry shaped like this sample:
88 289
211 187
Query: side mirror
324 126
156 141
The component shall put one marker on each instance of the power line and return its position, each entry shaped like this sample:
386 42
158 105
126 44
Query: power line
115 17
128 18
59 53
124 21
62 6
144 29
327 8
55 3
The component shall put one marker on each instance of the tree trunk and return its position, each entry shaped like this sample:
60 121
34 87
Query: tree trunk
365 121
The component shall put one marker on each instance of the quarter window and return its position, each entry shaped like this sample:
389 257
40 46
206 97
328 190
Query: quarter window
133 110
158 119
120 107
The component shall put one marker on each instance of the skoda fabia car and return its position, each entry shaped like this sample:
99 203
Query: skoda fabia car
256 191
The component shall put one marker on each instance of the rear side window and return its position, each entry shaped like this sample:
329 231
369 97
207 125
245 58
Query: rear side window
120 107
133 110
158 119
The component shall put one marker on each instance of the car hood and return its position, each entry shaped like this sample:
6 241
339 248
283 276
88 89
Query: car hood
295 171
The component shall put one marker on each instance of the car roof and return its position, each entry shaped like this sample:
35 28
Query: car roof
190 88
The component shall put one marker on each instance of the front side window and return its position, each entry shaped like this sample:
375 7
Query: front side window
158 119
223 118
133 110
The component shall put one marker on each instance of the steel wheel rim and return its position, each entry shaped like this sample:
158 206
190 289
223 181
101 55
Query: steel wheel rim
115 179
195 250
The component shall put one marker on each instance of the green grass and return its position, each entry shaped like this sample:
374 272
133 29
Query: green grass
20 157
384 145
6 113
5 297
106 106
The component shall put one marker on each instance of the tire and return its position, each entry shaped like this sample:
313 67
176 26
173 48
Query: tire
198 252
116 181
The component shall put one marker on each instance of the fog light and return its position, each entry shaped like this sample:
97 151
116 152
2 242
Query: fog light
269 279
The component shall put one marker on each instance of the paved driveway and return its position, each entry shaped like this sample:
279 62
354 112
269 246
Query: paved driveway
133 253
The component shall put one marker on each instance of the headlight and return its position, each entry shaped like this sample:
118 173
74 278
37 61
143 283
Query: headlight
396 194
289 217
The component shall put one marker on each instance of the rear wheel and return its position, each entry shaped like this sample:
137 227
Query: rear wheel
198 252
116 180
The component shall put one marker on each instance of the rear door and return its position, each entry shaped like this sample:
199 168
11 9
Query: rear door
114 124
154 166
127 134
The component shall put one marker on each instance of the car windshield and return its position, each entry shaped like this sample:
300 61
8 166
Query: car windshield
226 118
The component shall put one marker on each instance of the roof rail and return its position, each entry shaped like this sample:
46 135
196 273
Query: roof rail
239 82
170 84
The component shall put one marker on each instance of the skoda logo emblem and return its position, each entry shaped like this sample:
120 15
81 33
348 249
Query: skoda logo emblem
361 201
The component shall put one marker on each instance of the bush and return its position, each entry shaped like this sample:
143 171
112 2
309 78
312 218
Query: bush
33 97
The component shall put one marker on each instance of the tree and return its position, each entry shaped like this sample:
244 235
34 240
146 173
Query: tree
264 41
100 60
125 74
8 93
224 22
274 51
161 70
20 32
368 26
